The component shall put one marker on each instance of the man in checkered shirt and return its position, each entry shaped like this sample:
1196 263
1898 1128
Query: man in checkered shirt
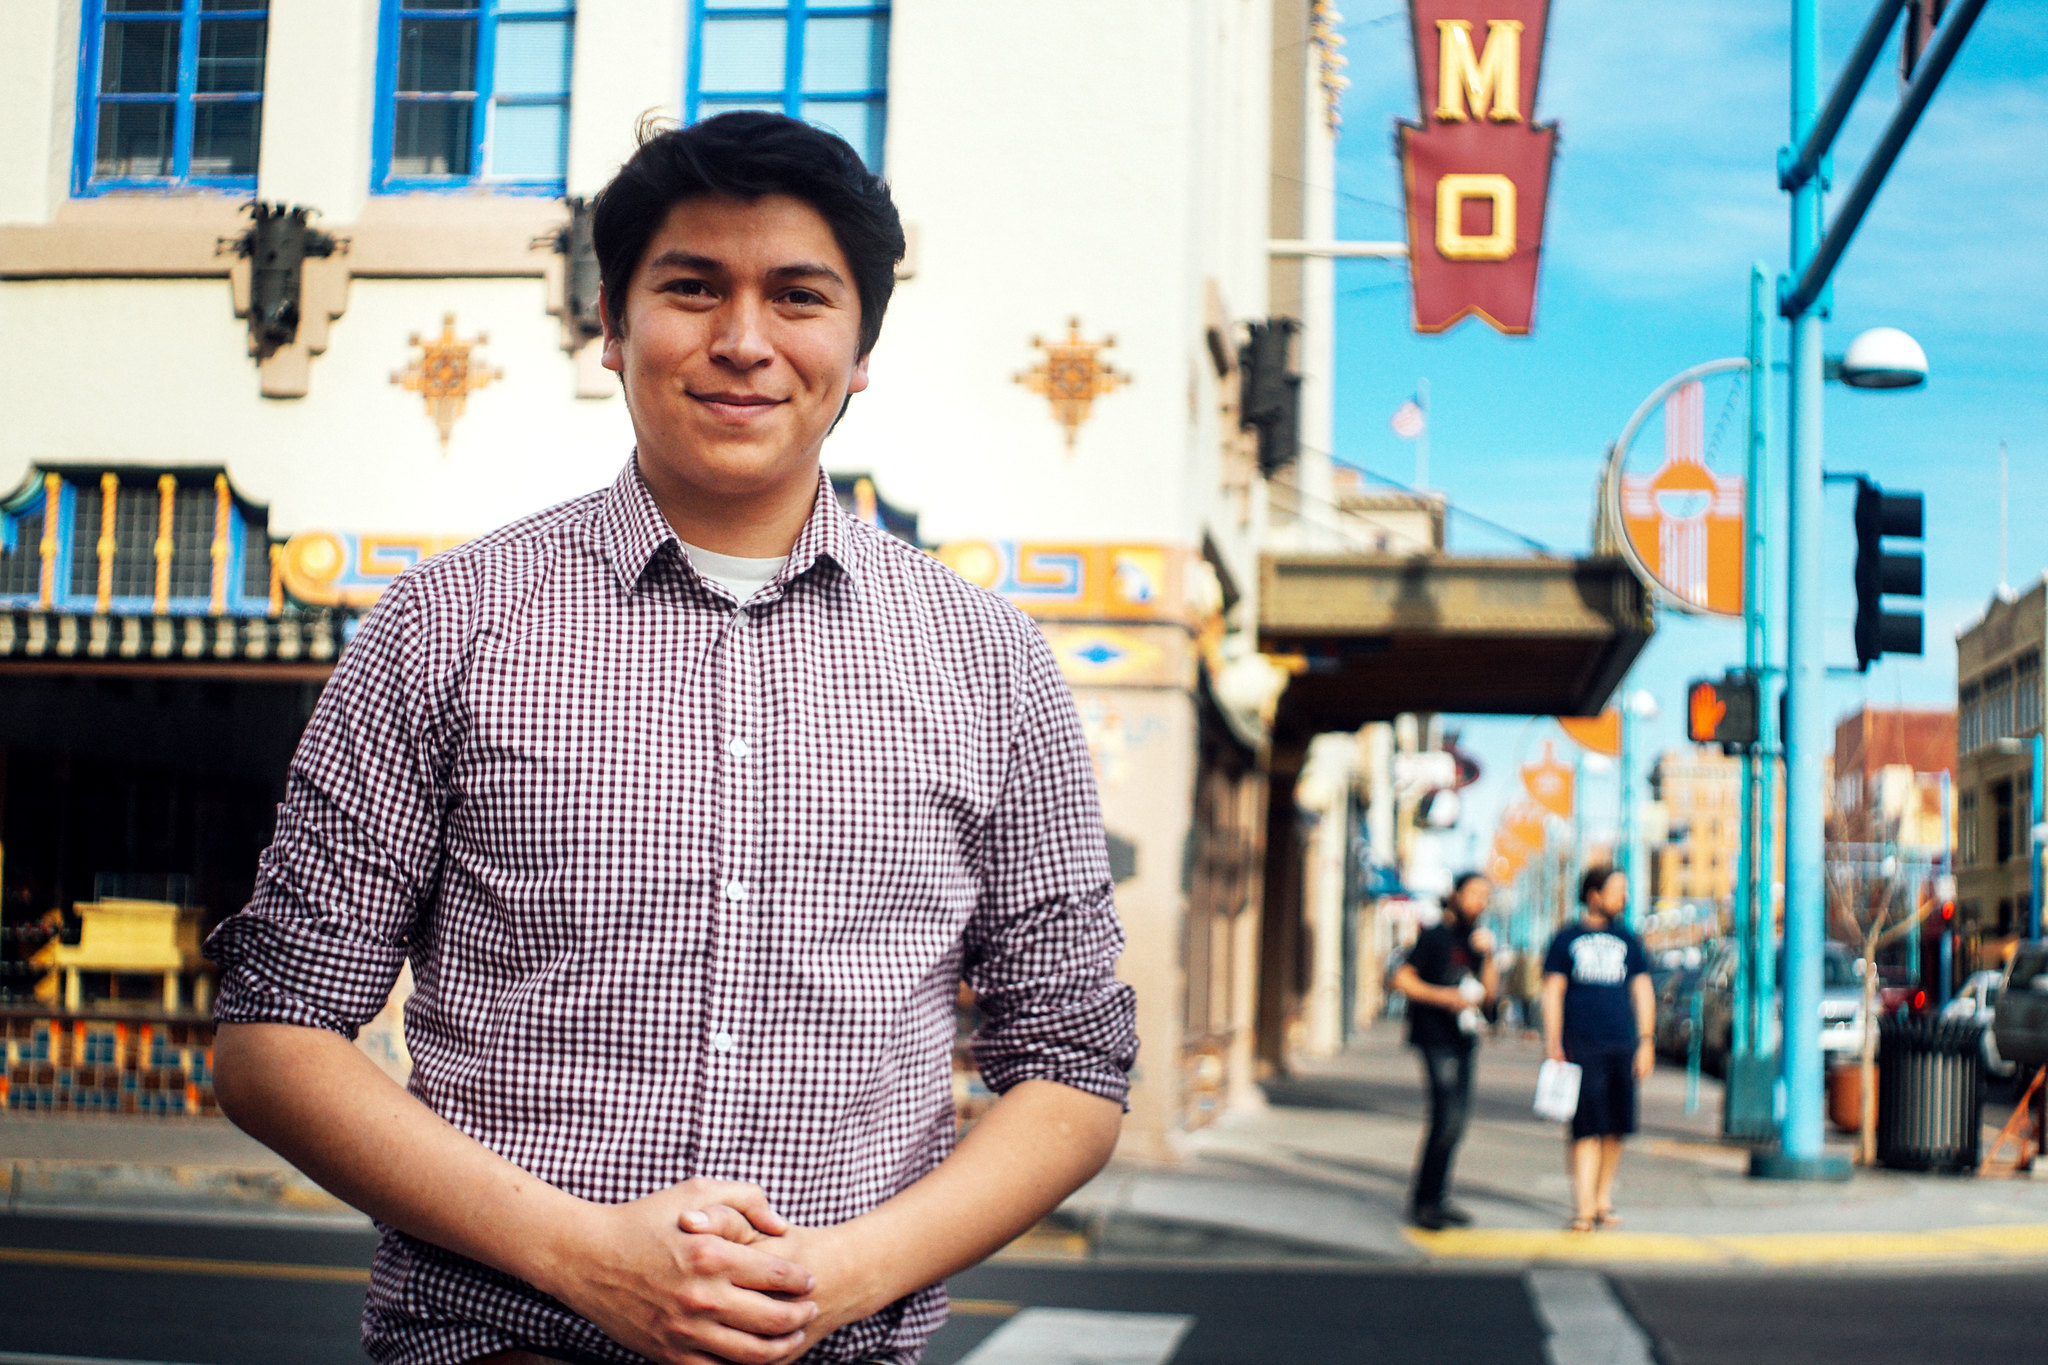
691 803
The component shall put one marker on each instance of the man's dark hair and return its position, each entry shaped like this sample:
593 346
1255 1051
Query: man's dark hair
747 154
1463 880
1594 881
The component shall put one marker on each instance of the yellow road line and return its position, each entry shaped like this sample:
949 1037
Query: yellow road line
183 1265
984 1308
1997 1241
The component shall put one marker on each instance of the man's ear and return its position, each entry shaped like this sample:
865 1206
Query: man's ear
613 357
859 380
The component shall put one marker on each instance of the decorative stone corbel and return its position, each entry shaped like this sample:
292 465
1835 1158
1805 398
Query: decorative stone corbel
573 288
288 282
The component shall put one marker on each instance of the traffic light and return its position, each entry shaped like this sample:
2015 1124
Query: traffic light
1722 711
1881 574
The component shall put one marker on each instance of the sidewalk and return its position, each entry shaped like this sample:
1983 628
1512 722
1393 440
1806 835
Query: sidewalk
1324 1167
153 1167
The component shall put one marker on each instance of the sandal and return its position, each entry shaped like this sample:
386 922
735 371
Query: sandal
1607 1218
1579 1225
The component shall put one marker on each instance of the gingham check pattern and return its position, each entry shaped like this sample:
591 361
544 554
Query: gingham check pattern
687 887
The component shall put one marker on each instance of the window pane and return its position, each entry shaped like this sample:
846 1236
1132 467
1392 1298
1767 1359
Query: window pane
846 55
134 140
231 56
858 121
534 7
192 542
141 58
533 58
21 567
85 540
234 4
437 55
746 4
744 54
142 6
443 4
137 511
224 137
256 556
430 138
530 142
815 5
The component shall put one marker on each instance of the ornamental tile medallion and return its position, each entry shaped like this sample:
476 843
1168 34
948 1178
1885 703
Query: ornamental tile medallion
1072 376
444 373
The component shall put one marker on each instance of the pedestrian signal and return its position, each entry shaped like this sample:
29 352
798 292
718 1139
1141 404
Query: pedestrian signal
1722 711
1881 573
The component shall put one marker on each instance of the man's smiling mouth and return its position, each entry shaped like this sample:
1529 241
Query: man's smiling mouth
737 407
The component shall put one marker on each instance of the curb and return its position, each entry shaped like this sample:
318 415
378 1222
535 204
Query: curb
2006 1243
71 1187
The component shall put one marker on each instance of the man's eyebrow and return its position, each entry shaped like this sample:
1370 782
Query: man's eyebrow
806 270
677 259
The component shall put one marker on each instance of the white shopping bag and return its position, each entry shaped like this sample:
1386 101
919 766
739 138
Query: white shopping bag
1557 1091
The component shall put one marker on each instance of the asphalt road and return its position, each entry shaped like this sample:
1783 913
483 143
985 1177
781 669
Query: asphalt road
222 1294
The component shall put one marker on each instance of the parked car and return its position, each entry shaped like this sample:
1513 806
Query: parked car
1674 1012
2019 1021
1841 1004
1977 1002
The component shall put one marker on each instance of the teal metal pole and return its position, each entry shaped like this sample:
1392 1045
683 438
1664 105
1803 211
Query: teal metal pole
1800 1154
1625 855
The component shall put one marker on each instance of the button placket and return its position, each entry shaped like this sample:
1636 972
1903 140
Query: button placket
738 888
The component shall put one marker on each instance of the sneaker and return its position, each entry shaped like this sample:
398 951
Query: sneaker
1429 1217
1455 1216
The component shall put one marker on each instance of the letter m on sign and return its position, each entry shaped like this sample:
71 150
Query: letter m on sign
1488 82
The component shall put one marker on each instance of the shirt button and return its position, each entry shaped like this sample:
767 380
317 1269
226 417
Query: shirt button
735 890
739 748
722 1041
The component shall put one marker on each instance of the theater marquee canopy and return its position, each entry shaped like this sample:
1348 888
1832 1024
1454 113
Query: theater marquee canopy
1374 636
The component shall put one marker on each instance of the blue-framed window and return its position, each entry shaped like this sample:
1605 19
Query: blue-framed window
474 92
53 532
170 94
823 61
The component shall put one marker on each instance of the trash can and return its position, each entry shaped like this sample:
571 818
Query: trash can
1930 1096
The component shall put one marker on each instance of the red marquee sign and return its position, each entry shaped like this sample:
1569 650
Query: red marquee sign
1477 168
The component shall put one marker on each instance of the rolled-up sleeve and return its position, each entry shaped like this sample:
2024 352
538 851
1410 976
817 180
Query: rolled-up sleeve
1042 946
340 890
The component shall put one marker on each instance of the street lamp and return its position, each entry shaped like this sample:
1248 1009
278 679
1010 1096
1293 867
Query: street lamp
1882 358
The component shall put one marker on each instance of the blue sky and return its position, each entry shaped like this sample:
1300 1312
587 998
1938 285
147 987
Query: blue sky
1664 192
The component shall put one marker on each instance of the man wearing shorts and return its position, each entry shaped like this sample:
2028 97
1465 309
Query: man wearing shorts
1599 1013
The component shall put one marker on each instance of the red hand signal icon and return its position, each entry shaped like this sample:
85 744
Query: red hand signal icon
1704 712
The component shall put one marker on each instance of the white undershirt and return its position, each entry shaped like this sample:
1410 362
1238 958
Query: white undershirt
740 577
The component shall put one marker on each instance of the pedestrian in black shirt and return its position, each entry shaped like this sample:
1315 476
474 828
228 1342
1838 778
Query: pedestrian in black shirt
1449 979
1598 1012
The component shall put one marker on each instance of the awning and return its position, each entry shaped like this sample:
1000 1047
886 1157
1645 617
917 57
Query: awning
1373 636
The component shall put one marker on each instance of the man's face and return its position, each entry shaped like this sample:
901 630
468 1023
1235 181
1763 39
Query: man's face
1612 898
739 344
1472 899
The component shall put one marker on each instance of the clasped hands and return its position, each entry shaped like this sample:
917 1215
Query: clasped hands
704 1273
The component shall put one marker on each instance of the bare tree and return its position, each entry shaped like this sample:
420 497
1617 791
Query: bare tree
1868 907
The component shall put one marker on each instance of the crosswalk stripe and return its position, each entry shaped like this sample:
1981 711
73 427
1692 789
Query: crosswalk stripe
1585 1324
1071 1336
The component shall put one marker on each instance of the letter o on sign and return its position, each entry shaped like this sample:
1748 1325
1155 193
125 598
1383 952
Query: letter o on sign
1452 194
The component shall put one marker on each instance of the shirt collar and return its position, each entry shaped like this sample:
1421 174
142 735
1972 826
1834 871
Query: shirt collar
632 531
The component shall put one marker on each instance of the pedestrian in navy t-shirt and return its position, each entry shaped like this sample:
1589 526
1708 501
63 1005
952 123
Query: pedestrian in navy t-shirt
1598 1012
